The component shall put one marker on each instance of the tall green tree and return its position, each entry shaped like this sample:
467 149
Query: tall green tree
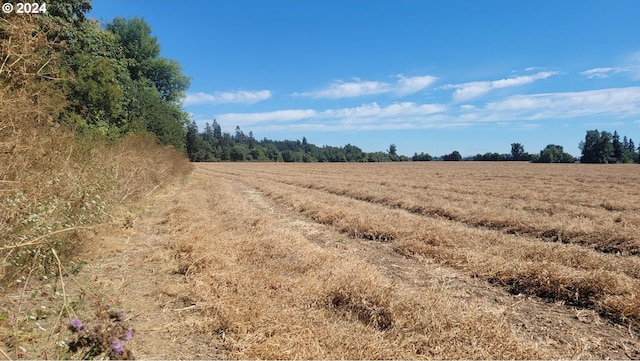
596 147
68 11
139 45
618 150
166 75
393 149
518 153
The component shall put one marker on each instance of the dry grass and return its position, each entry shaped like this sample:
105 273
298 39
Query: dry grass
236 265
51 180
54 185
378 204
264 291
511 197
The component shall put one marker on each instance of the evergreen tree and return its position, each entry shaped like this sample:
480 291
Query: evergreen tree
618 150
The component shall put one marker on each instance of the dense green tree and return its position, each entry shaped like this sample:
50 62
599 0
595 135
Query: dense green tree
68 11
353 153
258 154
148 111
95 87
597 147
518 153
95 94
393 149
239 152
629 154
618 151
422 157
166 75
553 154
454 156
138 44
273 153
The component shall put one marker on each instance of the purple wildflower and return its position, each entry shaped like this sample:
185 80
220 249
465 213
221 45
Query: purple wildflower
76 324
117 347
127 335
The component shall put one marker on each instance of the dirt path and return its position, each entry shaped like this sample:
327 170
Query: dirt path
137 267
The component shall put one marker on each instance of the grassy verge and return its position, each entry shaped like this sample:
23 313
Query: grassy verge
55 184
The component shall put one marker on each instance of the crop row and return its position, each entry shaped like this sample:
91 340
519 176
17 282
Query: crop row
556 271
597 228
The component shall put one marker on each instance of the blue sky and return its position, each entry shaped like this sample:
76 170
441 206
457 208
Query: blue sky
430 76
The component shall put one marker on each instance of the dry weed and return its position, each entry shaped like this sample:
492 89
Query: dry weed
55 185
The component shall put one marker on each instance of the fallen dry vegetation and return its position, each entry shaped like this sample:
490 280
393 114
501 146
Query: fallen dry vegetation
378 202
243 262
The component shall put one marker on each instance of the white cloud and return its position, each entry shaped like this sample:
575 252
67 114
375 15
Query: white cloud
630 65
467 91
601 73
240 96
287 115
406 86
340 89
366 116
614 104
621 102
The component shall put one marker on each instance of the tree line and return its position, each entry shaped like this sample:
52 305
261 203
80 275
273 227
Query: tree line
214 145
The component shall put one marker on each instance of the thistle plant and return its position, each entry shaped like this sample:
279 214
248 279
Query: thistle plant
102 339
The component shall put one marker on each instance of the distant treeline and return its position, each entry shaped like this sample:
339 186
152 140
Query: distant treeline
214 145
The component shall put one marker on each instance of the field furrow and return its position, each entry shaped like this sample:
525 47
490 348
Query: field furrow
609 231
576 275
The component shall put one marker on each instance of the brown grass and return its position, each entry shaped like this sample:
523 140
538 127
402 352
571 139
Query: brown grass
51 179
378 204
54 183
264 291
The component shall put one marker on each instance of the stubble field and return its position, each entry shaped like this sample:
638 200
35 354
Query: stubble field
375 261
418 260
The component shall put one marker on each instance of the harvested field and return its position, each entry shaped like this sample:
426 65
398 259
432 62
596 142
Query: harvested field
560 233
374 261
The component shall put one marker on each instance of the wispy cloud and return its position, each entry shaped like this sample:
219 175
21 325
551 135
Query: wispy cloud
370 116
601 73
278 116
615 102
467 91
612 103
630 65
406 86
340 89
357 87
240 96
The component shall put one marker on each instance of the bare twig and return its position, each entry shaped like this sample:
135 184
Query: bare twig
5 355
39 240
64 292
42 67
